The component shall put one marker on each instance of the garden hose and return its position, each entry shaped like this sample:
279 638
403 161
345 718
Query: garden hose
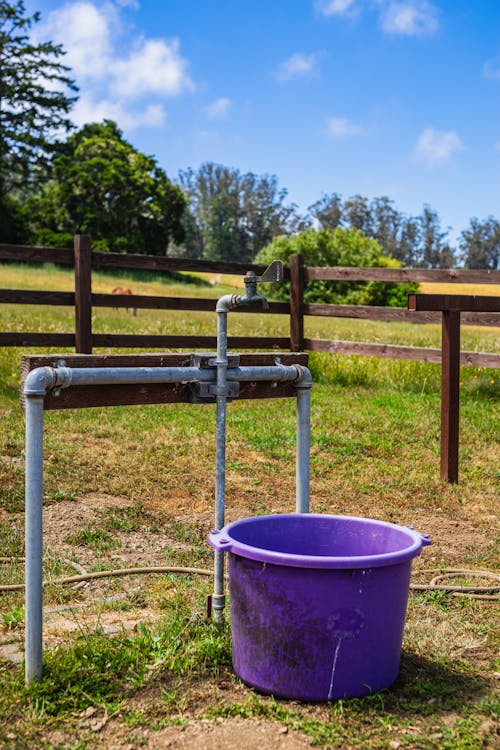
489 592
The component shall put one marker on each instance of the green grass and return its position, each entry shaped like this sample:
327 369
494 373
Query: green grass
374 452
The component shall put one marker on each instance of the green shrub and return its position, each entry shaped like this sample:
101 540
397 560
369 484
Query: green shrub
341 247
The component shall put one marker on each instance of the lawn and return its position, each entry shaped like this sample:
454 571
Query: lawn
133 661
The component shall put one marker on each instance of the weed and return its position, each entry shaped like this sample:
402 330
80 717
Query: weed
96 539
13 618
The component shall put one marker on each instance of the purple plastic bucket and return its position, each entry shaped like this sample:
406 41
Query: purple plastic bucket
318 602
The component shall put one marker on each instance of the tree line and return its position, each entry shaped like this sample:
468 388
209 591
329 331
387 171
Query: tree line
56 181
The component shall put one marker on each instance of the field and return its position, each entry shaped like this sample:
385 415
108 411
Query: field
132 661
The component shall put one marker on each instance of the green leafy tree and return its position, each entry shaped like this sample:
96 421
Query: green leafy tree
386 224
480 244
435 250
103 186
14 222
408 248
340 247
34 100
235 214
358 214
328 211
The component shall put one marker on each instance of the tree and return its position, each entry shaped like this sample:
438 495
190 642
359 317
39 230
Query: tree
340 247
408 251
34 100
103 186
236 214
480 244
435 252
13 221
358 214
328 211
412 240
386 225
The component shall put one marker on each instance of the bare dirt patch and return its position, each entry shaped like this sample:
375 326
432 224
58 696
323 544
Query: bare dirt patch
245 734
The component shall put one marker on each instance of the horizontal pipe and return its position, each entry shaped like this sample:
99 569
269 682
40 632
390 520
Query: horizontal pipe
114 375
285 373
42 379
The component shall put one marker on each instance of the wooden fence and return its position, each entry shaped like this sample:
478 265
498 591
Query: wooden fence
84 340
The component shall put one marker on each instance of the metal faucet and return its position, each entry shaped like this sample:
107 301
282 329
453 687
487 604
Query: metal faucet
274 272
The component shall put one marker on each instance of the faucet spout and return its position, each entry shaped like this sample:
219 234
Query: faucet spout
257 299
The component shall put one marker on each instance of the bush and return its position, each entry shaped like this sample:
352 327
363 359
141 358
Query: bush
340 247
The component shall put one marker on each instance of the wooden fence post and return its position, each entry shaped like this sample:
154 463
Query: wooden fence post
297 283
83 294
450 395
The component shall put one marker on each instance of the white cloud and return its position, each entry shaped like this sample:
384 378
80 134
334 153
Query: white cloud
124 83
155 67
341 127
88 109
491 68
84 31
296 66
334 7
218 108
409 18
437 146
404 17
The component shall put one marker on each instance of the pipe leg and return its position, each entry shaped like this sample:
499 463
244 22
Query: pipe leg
218 597
33 540
303 448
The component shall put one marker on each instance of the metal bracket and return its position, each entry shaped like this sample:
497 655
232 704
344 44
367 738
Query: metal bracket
209 361
202 393
205 393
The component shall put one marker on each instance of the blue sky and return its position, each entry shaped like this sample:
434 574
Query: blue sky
377 97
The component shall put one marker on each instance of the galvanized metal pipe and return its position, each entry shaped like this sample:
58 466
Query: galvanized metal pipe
218 596
303 446
33 538
277 373
41 380
37 381
141 375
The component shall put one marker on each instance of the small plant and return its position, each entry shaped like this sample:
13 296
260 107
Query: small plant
14 618
96 539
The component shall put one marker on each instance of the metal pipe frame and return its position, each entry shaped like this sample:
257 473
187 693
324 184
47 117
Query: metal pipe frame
44 379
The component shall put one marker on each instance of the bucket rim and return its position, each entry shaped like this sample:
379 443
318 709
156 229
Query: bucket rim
222 540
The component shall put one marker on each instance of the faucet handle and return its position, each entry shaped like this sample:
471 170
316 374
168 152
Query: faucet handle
274 272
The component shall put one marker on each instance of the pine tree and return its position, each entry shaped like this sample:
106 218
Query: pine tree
34 100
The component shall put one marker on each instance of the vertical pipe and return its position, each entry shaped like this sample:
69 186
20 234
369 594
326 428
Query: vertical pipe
450 395
33 539
303 448
218 598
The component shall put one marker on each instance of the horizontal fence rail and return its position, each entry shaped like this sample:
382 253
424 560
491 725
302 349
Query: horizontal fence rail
65 256
403 275
83 339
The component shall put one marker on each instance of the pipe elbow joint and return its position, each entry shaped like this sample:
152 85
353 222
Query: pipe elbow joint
39 381
226 303
42 379
230 301
304 377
